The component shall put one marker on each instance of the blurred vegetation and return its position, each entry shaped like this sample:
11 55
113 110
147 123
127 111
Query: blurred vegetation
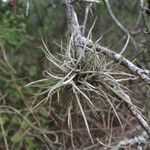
22 61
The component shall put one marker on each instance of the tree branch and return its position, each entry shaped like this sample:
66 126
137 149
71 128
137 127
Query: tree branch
79 40
80 43
74 30
143 74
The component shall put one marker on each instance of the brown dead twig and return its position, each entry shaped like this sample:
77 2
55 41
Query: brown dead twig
81 44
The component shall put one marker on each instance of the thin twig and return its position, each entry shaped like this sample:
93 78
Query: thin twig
4 133
118 23
85 18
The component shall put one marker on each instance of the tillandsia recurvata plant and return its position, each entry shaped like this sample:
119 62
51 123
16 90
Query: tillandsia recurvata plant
84 77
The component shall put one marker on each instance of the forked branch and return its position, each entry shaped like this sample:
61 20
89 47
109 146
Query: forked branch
80 43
